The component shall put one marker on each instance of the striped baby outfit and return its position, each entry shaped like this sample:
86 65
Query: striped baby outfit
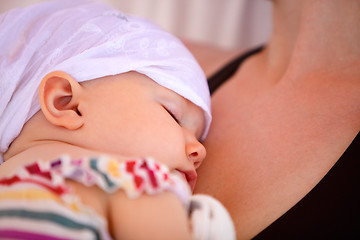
35 202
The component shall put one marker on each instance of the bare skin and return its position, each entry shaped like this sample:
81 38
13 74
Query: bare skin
210 57
287 116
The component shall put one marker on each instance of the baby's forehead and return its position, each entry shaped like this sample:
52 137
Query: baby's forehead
192 115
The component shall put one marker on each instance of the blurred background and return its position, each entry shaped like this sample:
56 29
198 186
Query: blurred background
227 27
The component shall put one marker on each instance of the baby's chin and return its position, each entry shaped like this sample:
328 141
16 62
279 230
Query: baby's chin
189 177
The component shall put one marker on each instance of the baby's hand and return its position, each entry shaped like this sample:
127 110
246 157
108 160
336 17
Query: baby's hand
209 219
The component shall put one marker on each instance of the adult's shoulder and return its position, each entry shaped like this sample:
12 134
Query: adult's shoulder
211 57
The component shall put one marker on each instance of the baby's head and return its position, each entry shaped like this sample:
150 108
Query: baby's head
85 41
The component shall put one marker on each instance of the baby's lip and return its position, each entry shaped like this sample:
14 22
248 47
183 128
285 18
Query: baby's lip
190 176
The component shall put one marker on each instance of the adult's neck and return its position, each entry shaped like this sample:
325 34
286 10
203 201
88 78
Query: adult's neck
313 34
286 23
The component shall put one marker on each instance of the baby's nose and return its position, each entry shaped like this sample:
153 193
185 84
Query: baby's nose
195 151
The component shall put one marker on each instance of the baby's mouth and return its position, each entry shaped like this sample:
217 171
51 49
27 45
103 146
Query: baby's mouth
189 176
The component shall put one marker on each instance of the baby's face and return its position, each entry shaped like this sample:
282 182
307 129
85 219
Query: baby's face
131 115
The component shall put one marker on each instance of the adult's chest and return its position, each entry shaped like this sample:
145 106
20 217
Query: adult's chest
276 142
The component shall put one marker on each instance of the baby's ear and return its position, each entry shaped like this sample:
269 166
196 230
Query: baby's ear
59 96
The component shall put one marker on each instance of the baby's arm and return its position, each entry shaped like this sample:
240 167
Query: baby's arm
159 216
130 211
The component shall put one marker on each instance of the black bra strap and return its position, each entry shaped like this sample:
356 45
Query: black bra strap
228 70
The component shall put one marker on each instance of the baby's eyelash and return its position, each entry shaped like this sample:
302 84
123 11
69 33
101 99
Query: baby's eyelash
172 115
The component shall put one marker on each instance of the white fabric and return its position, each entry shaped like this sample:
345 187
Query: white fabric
87 40
209 219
